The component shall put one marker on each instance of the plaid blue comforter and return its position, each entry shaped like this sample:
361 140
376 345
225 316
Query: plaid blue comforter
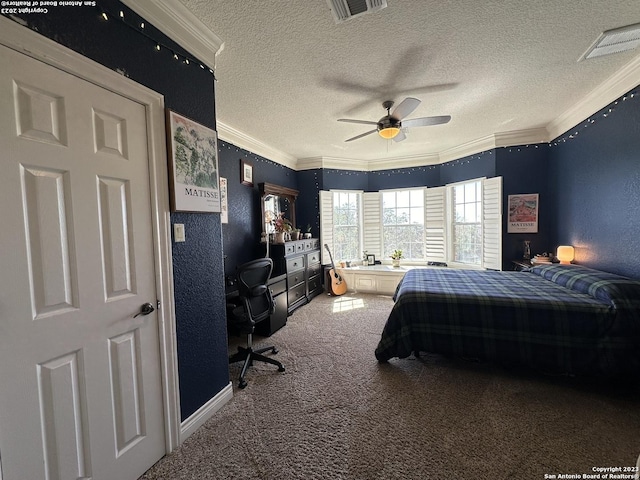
537 318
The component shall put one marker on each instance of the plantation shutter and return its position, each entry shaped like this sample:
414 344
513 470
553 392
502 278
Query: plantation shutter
492 223
435 201
326 225
372 224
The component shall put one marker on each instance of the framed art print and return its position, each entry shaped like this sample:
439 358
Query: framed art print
246 173
523 213
193 165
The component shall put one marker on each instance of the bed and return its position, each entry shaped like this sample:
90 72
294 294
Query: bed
554 318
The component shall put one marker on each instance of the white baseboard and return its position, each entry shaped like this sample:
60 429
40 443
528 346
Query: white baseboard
204 413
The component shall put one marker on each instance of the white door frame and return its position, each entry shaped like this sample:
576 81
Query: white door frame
23 40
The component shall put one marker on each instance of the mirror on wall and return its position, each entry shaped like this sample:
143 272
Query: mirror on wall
277 200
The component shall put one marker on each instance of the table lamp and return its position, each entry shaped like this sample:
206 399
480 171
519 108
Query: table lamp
565 254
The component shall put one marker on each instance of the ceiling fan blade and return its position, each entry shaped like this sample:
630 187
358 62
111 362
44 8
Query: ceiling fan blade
399 137
407 106
361 135
426 121
365 122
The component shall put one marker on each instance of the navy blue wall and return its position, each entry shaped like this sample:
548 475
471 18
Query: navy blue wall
595 179
308 206
189 90
426 176
241 236
345 180
474 166
525 169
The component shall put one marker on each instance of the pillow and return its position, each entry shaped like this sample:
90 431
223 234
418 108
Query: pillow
604 286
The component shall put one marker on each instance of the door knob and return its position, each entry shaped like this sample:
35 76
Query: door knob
145 309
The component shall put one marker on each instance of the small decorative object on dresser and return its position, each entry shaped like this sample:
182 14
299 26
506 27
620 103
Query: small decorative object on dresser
282 227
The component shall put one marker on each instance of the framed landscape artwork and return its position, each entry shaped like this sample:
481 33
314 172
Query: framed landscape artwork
523 213
193 165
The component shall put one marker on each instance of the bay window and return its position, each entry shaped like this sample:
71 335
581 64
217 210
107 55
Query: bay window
459 223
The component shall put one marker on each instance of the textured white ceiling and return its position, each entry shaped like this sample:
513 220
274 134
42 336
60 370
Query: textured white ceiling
288 72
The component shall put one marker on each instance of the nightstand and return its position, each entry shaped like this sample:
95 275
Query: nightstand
521 264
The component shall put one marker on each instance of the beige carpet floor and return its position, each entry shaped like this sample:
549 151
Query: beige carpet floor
338 414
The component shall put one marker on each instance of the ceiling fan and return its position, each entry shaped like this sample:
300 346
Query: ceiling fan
389 126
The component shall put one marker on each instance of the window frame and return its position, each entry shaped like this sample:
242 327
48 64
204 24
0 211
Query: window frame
383 247
330 239
451 223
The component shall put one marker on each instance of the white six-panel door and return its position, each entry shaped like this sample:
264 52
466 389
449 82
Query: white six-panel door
80 380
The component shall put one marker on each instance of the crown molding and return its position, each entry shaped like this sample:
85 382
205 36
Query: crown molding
405 161
309 163
469 148
502 139
625 79
242 140
180 25
521 137
333 162
367 165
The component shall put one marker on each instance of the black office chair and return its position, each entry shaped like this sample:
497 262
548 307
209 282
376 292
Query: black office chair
257 304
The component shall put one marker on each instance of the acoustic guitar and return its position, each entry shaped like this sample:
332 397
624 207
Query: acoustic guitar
336 284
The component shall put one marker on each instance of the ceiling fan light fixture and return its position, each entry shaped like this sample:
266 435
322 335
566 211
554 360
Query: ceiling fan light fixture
389 132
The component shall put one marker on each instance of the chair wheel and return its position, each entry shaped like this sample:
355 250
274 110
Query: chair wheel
242 383
274 350
281 369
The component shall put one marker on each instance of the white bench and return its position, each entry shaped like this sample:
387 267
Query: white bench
381 279
373 279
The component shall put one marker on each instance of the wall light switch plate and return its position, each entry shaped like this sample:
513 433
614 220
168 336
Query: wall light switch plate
178 232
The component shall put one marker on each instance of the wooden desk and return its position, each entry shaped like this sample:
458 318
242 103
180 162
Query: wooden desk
278 287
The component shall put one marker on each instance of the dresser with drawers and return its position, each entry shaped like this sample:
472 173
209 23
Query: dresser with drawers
299 260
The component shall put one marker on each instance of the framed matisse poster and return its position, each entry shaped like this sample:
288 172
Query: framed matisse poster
523 213
193 165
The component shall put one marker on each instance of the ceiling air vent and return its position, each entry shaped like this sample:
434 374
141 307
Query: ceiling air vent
614 41
344 10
